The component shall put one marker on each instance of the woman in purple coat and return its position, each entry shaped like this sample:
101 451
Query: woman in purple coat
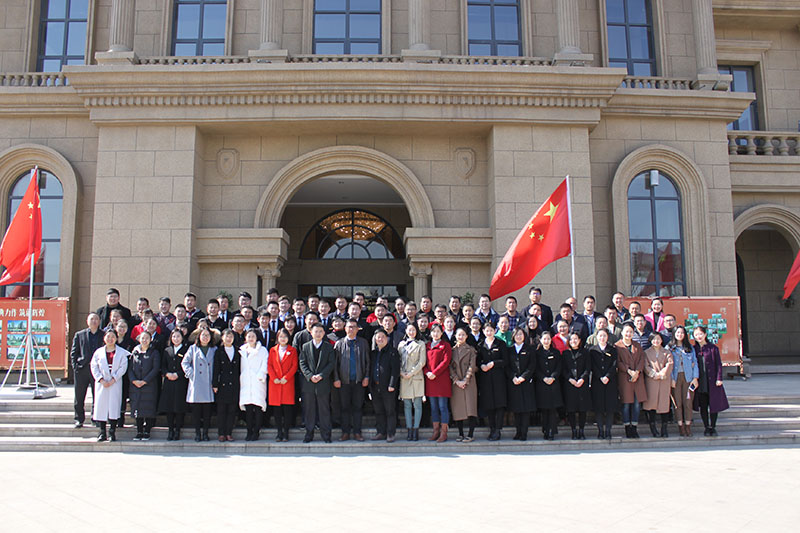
710 394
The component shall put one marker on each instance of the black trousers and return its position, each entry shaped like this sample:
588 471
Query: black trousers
284 414
549 420
315 405
201 415
352 401
521 421
385 405
495 419
581 419
605 419
175 420
703 400
252 417
145 425
226 417
471 422
83 381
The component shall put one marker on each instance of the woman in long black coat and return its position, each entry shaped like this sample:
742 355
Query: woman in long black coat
492 380
520 365
548 386
604 383
144 369
226 385
577 368
173 389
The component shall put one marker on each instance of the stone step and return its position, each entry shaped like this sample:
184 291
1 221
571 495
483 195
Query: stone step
401 446
780 368
763 400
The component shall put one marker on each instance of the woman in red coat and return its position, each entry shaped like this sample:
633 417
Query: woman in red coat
281 368
437 385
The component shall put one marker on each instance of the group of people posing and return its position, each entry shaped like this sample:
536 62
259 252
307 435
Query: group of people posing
327 357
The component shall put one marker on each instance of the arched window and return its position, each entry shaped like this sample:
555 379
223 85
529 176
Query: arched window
655 229
45 275
352 234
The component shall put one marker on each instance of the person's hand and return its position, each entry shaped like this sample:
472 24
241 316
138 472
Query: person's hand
365 382
580 383
316 379
485 368
605 380
695 383
430 375
719 383
215 389
390 389
573 382
630 372
277 381
490 364
549 381
284 381
673 383
337 383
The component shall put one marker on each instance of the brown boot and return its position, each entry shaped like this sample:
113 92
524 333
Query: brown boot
681 430
436 426
443 434
688 429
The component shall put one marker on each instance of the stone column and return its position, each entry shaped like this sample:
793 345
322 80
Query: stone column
271 33
269 273
419 33
705 47
569 35
123 16
420 272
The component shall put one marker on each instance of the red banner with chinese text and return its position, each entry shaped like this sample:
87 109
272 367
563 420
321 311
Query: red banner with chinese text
50 332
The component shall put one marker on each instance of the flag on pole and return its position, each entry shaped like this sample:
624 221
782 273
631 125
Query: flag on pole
23 239
792 278
544 239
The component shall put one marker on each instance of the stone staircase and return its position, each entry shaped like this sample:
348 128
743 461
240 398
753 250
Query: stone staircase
46 425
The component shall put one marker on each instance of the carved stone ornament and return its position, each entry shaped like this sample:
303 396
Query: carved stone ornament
228 162
465 162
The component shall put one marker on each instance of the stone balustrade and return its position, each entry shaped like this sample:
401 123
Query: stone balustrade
495 60
193 60
763 143
655 82
317 58
33 79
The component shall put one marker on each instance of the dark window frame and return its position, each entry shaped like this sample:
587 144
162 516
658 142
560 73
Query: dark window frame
750 70
38 286
200 41
318 256
654 241
629 60
346 41
64 57
494 42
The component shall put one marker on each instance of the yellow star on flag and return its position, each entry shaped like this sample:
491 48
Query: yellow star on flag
551 212
30 205
541 237
533 234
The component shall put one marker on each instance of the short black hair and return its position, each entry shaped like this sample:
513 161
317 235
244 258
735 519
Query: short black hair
165 299
190 294
246 295
111 291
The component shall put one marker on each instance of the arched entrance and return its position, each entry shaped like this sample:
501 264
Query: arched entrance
767 240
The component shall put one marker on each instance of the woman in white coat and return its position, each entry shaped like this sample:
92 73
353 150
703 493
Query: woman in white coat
198 365
412 382
253 383
108 366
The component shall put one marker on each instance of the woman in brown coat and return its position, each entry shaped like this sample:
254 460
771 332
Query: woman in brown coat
632 391
464 401
657 371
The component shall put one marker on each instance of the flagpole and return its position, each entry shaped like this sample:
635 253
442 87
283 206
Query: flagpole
571 239
29 339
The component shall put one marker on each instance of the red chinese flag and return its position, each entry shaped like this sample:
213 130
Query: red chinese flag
544 239
23 237
792 278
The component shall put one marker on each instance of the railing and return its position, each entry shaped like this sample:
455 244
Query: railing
763 143
654 82
33 79
494 60
193 60
316 58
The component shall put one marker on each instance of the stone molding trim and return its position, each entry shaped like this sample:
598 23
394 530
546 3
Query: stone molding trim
351 159
694 203
21 158
783 219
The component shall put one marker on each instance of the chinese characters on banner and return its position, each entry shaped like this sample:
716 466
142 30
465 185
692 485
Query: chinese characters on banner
49 328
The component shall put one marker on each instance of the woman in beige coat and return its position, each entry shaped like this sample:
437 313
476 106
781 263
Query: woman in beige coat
464 401
632 392
657 371
412 382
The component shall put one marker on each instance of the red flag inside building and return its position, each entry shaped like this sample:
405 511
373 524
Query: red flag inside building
23 238
792 278
545 238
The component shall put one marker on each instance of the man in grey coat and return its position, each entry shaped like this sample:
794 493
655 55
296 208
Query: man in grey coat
317 360
351 377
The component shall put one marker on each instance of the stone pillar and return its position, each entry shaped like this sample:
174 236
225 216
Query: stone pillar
271 33
269 273
123 19
705 47
420 272
419 33
569 35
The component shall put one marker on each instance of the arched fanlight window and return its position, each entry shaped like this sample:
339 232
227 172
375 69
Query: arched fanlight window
655 228
352 234
45 273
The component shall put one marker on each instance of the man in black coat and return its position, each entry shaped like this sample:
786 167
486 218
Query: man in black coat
351 377
384 377
576 323
112 302
84 344
535 296
317 360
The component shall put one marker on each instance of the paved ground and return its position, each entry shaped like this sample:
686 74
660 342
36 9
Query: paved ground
704 490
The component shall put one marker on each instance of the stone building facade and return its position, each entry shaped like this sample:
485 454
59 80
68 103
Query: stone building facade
210 170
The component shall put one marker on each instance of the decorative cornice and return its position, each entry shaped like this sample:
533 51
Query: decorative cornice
449 245
722 105
241 245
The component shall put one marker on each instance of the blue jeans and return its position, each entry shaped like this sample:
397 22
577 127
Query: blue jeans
630 411
416 403
439 409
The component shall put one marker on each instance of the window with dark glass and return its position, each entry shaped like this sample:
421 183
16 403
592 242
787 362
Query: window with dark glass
347 27
630 36
493 28
352 234
743 82
62 34
45 272
199 27
655 229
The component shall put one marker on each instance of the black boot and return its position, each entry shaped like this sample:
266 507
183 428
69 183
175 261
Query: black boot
574 434
410 435
608 432
634 432
112 431
601 433
664 434
416 434
177 435
581 434
205 435
197 435
628 434
101 437
654 429
171 434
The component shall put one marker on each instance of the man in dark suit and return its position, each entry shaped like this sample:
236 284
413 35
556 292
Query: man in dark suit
576 322
317 360
84 344
351 377
535 296
589 313
112 302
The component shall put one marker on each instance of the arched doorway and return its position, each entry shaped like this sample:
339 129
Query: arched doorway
766 245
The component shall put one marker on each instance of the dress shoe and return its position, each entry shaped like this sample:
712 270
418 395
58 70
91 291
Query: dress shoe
308 438
714 432
344 437
326 441
707 432
390 438
379 436
359 437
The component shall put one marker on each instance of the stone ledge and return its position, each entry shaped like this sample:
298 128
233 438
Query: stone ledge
449 245
241 245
